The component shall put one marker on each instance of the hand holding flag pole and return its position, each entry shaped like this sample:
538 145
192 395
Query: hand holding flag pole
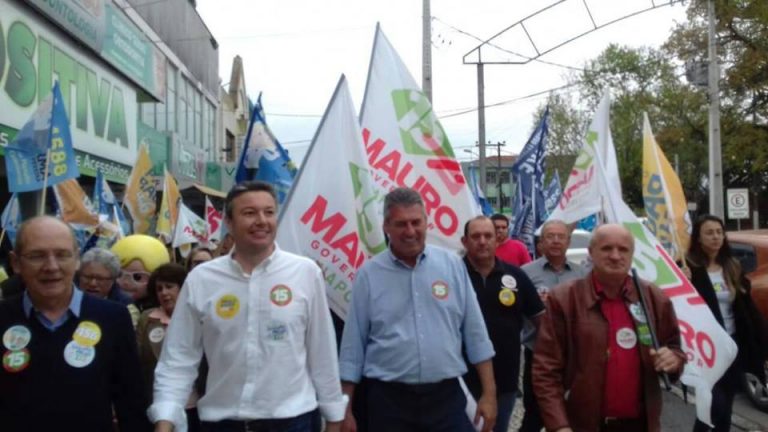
651 330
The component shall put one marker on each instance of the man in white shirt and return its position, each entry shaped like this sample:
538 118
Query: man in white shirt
260 316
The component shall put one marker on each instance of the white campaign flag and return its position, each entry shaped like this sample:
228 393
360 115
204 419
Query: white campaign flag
582 194
212 221
709 349
406 145
333 214
190 228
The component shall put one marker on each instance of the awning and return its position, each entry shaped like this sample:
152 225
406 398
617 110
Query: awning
210 191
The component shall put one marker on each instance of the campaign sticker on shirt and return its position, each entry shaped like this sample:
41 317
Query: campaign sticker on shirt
227 306
507 297
16 337
79 356
440 290
156 335
16 361
637 312
644 334
88 334
717 287
277 330
509 281
280 295
626 338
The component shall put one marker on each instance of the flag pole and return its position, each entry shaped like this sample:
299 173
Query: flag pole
45 181
651 330
2 236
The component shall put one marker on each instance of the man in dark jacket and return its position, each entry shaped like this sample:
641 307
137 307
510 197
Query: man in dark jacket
594 368
69 360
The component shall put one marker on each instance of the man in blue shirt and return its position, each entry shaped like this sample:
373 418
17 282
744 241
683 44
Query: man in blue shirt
412 310
69 361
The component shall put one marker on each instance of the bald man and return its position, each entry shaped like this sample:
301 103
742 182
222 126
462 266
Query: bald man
69 361
594 368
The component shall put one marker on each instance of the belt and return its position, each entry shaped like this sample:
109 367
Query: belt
622 424
418 388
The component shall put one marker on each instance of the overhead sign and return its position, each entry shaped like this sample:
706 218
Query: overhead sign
101 105
738 203
104 28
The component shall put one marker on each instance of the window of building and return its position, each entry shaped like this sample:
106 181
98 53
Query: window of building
199 120
211 124
170 99
490 177
229 148
190 110
504 176
492 201
147 113
505 201
182 108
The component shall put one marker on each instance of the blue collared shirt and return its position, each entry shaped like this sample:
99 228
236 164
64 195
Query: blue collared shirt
72 310
408 324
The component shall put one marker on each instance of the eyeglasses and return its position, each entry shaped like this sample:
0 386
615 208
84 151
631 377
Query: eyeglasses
62 257
137 276
554 236
93 278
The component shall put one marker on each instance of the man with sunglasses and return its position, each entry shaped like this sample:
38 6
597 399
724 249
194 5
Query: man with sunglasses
68 359
261 318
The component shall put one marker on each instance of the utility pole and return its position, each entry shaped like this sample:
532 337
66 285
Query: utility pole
499 184
481 126
715 152
426 54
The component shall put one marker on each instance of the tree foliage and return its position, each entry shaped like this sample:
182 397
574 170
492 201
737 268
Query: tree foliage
654 81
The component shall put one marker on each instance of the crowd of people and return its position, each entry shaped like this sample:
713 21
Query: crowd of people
241 338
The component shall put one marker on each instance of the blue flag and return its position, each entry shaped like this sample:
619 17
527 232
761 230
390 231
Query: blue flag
552 196
46 131
530 200
263 158
478 194
106 204
11 218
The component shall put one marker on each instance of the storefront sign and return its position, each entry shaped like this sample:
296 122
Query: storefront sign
103 27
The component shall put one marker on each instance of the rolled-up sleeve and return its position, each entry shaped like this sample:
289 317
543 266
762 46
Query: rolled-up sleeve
178 364
321 355
356 328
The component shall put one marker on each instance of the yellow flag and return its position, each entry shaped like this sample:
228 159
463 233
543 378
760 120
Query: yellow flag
74 204
169 208
140 193
665 203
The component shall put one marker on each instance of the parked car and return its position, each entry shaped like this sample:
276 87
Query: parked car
751 249
577 251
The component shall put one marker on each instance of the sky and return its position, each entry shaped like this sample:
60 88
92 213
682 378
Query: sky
294 52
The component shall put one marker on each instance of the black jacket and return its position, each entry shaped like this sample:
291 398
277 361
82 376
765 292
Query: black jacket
751 332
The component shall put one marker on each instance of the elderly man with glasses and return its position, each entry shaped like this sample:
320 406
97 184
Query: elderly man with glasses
69 361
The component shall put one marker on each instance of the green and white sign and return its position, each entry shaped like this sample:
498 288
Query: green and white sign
100 104
103 27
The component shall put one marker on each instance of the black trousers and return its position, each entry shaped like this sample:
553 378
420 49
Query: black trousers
438 407
532 419
722 402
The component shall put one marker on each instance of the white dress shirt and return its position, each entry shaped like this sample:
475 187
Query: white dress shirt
268 338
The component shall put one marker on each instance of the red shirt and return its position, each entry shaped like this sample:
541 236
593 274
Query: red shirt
623 384
513 252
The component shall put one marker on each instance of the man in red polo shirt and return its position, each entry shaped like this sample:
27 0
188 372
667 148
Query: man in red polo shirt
594 368
509 250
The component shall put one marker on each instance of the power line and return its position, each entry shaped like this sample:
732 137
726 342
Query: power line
465 33
506 102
